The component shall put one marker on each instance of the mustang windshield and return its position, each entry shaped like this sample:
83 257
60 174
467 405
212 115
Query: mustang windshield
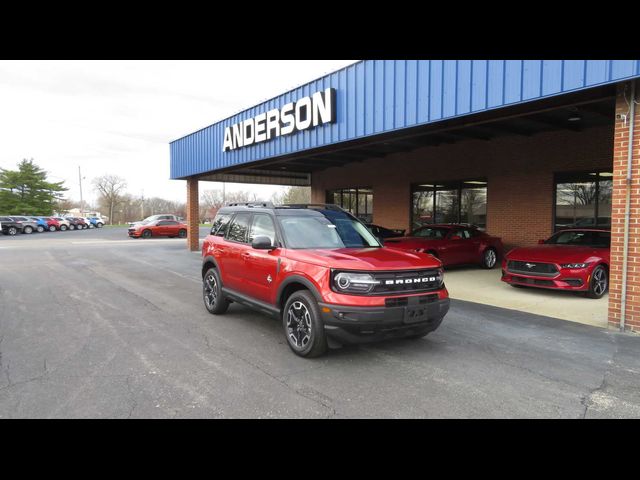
585 238
326 229
430 232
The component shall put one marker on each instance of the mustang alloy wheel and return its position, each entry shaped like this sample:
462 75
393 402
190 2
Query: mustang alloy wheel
489 258
599 282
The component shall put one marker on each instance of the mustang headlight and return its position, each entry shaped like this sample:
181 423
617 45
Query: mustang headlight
574 265
349 282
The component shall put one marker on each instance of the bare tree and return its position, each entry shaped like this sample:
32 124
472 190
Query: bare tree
111 191
292 195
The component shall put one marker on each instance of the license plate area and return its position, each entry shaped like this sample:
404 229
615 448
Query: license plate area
416 314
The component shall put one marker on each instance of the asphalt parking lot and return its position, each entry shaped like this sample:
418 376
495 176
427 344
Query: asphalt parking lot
96 325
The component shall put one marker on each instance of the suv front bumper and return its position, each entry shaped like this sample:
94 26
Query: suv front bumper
369 324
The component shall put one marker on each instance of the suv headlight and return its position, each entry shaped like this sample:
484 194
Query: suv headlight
349 282
574 265
441 277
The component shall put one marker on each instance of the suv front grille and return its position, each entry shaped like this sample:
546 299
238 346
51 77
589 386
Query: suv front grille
406 282
532 268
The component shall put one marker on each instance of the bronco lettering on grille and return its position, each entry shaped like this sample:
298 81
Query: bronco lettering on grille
410 280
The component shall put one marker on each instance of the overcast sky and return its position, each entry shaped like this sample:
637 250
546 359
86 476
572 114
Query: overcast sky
118 117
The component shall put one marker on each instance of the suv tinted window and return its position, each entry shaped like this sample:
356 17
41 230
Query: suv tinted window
237 231
220 224
262 225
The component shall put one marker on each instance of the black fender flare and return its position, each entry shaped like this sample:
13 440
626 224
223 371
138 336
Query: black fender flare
298 279
210 259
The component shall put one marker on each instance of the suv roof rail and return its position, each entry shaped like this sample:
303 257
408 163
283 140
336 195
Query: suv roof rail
250 204
328 206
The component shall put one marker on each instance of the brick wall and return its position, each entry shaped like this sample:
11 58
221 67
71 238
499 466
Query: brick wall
519 171
620 156
193 220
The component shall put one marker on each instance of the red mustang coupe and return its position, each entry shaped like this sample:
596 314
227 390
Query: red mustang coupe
452 244
159 228
576 260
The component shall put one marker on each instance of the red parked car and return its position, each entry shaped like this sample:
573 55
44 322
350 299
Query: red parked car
159 228
575 260
322 273
54 224
452 244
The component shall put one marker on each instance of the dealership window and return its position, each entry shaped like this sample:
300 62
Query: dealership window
583 200
449 202
358 201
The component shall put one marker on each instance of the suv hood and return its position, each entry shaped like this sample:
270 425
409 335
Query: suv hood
384 258
557 253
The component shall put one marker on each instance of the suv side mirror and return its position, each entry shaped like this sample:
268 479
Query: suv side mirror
541 242
262 242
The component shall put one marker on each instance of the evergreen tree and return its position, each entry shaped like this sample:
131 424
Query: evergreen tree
26 191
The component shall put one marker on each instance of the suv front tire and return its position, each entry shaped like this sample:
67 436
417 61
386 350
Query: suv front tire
303 326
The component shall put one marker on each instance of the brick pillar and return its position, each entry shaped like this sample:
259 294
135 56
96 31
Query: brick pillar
193 220
620 159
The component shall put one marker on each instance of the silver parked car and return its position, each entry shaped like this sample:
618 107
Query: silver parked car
28 226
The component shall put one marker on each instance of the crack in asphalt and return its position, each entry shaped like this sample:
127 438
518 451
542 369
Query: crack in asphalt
133 397
298 391
585 400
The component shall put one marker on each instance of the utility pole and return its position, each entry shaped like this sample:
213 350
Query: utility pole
223 194
80 180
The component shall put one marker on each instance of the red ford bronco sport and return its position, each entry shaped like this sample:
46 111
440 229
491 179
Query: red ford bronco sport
323 273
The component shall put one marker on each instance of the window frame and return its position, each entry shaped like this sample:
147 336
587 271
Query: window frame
558 178
358 194
233 219
273 221
459 185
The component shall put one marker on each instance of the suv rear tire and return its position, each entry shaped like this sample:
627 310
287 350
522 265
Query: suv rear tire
303 325
27 229
214 301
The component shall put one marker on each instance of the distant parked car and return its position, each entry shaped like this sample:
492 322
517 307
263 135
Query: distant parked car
41 222
53 224
97 222
382 232
453 244
10 226
154 218
159 228
28 226
76 223
64 224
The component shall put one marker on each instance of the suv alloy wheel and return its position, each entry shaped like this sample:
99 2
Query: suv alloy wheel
303 325
214 302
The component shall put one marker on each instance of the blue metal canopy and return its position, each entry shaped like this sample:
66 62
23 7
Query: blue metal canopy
380 96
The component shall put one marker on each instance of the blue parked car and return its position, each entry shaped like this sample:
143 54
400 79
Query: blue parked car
96 222
42 224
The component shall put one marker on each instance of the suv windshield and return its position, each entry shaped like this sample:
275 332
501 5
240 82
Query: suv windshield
326 229
585 238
